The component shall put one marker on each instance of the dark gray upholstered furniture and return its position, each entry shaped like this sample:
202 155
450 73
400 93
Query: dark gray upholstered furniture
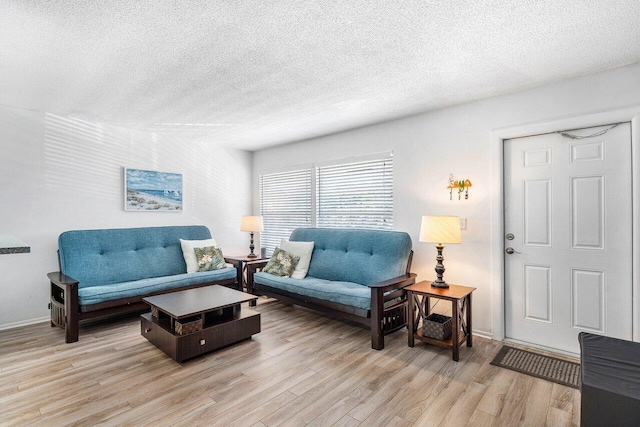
610 381
358 275
104 272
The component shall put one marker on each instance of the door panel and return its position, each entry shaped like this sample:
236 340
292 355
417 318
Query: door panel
587 212
537 285
587 152
537 212
568 203
587 289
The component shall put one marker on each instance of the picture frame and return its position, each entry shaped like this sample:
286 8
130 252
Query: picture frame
152 191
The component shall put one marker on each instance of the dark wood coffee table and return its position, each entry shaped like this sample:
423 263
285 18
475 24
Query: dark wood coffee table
192 322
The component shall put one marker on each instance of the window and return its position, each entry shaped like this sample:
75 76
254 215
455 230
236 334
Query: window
355 195
285 204
358 194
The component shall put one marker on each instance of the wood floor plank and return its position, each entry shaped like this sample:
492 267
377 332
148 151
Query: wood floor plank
493 399
409 403
398 422
389 410
335 412
173 414
464 407
451 391
245 397
421 400
557 417
347 421
239 399
515 400
480 419
537 404
241 417
394 382
575 413
302 369
312 403
561 405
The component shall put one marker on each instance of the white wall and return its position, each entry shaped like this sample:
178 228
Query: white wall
430 146
60 174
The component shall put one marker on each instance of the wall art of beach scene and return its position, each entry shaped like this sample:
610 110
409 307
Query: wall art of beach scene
152 191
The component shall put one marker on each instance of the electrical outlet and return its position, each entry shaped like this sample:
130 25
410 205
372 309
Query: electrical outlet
463 223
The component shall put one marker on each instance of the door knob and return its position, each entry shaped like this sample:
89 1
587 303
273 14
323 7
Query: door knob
511 251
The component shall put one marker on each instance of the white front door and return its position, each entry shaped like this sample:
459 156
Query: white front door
568 222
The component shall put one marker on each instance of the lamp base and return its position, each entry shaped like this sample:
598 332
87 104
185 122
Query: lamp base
251 248
439 284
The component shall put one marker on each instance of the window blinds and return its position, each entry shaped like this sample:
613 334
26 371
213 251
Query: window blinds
352 195
285 204
355 195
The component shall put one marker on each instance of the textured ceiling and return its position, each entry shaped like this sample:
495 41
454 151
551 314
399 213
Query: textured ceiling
249 74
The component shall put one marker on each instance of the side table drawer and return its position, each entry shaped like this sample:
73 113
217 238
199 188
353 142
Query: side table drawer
248 324
198 343
212 337
148 329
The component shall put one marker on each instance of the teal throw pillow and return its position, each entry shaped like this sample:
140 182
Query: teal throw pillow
209 258
282 263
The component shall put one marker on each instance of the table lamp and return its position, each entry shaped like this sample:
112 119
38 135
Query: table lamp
252 224
439 230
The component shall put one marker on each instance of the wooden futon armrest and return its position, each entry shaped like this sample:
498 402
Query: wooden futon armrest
57 278
396 282
252 268
387 319
68 293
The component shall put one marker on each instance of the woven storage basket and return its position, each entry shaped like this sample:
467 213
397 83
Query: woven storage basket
154 312
436 326
187 326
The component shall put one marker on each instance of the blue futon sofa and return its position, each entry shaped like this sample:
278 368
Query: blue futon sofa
355 274
104 272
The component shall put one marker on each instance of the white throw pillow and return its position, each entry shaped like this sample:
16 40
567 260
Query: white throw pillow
304 251
189 254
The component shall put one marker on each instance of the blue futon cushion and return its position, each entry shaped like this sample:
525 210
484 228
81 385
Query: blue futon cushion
346 293
358 256
112 264
97 294
107 256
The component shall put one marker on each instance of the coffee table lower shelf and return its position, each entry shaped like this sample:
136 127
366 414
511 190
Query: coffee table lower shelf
213 337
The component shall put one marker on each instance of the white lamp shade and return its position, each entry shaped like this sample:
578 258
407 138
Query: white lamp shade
440 229
251 223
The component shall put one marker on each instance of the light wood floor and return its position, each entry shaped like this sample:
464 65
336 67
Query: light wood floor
302 369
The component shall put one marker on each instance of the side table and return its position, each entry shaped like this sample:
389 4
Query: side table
418 296
240 263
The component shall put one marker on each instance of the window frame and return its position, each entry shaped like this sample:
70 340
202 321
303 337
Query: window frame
313 182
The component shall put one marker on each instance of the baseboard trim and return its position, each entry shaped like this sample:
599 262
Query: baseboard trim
483 334
24 323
